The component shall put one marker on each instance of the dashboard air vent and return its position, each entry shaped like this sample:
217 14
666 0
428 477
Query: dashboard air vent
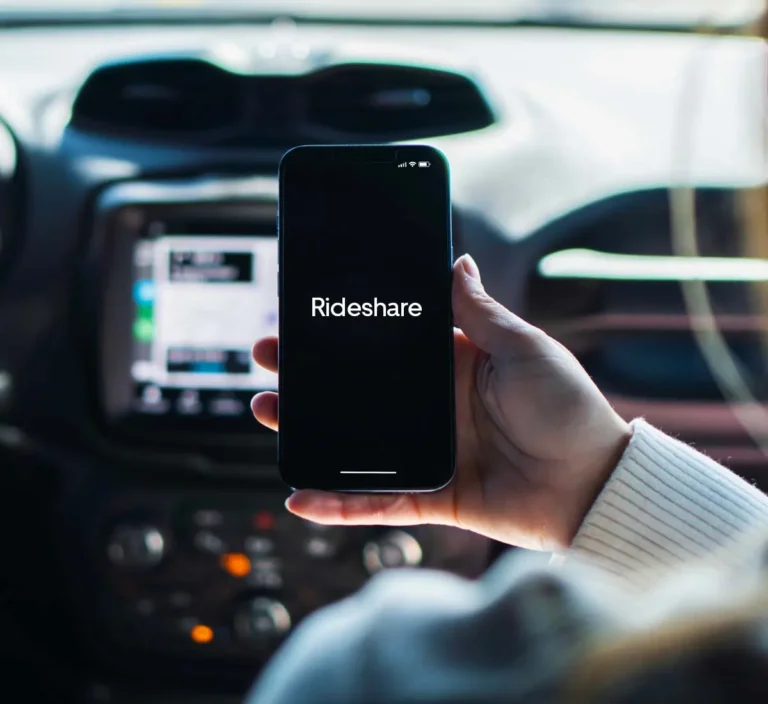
613 296
633 332
159 97
387 103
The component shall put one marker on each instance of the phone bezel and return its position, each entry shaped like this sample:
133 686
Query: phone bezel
370 154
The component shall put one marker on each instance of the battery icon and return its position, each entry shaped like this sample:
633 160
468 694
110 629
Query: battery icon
423 164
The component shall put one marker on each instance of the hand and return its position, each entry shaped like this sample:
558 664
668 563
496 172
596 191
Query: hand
536 438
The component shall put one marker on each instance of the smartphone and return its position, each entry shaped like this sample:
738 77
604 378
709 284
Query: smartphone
366 384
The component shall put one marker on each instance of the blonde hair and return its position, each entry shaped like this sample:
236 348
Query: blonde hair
718 658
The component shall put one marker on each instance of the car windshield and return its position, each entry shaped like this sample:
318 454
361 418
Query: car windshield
672 13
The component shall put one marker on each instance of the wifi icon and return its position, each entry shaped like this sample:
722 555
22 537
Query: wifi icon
412 163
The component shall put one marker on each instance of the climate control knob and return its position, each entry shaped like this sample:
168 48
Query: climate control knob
262 620
136 546
394 549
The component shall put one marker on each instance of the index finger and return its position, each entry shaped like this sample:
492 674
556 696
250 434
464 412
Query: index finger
329 508
265 353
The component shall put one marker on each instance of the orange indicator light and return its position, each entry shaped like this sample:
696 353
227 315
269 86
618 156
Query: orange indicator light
237 564
201 634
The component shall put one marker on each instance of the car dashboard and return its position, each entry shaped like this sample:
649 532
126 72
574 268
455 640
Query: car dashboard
149 553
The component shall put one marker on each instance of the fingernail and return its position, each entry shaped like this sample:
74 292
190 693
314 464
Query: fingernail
313 501
470 268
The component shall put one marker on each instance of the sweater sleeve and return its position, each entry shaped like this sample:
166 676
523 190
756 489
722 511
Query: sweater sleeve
666 504
433 638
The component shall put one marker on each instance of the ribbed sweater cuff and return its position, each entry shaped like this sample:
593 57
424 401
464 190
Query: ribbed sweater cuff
666 504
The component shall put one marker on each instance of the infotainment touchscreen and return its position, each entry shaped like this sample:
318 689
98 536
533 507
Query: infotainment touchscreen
200 301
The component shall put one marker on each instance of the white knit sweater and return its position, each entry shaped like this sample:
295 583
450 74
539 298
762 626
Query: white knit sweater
427 637
666 504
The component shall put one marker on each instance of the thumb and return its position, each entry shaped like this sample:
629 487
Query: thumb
486 322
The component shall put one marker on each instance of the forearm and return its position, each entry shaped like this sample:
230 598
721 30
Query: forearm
666 504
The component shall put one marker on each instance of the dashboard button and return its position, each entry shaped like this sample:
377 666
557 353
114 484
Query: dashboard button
266 580
261 620
136 546
259 545
209 542
323 541
395 549
319 547
189 403
152 401
208 518
266 573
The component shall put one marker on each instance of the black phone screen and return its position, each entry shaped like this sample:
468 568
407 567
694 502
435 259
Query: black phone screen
366 336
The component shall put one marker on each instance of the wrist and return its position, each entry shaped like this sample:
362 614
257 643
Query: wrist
590 477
